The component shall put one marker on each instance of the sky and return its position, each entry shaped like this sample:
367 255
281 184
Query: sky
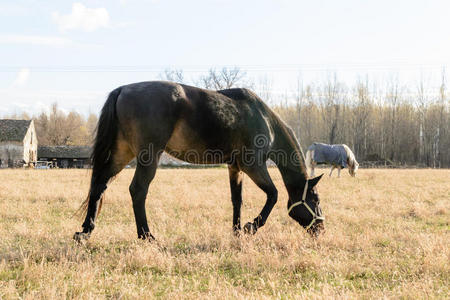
74 53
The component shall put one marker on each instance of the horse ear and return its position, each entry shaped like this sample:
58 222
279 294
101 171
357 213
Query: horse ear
312 182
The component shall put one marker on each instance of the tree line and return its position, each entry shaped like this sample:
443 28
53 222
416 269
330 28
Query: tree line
57 128
393 127
395 124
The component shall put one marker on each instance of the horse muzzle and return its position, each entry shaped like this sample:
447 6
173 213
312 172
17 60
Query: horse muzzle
316 228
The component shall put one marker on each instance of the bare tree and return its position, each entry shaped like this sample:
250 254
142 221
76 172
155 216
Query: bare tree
223 79
308 121
298 95
56 134
265 89
175 75
441 129
361 119
91 125
421 102
57 128
393 101
42 124
329 95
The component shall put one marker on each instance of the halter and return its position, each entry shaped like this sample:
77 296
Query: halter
314 215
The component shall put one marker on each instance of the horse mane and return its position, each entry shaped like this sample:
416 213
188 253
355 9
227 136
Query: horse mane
289 134
350 157
283 128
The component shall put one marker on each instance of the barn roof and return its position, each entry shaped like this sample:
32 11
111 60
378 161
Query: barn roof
13 130
79 152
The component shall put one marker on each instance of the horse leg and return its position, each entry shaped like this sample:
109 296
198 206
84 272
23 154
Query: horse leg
339 171
312 169
261 178
150 137
100 178
145 172
236 178
98 186
331 172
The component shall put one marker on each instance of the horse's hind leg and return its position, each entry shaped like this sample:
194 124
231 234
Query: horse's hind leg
236 178
145 172
100 178
331 171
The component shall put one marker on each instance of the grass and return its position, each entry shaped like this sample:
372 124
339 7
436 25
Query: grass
387 235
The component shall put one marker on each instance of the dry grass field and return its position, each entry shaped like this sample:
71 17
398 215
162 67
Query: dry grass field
387 235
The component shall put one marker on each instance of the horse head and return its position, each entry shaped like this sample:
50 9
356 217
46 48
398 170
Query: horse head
306 210
353 167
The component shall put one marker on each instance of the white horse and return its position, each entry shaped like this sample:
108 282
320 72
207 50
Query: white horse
339 156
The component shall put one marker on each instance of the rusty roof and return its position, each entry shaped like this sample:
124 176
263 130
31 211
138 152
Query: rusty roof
13 130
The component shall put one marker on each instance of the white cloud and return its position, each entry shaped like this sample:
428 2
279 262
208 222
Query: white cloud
82 17
34 40
22 77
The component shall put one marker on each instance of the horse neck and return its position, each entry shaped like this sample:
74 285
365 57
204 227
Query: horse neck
293 170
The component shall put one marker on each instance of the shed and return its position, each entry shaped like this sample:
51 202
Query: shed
18 143
66 156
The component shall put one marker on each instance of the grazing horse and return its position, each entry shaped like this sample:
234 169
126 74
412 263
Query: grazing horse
232 126
339 156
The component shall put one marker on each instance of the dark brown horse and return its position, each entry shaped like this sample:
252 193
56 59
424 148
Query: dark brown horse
231 126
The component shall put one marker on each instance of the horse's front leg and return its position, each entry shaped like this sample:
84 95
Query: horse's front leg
236 179
261 178
339 171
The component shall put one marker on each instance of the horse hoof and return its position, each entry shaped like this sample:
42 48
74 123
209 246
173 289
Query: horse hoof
250 228
81 237
147 236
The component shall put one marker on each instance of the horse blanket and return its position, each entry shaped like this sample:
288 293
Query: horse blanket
329 154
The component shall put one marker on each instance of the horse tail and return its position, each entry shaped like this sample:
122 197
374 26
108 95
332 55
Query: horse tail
106 135
105 141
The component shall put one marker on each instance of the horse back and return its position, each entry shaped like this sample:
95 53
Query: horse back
186 118
225 113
